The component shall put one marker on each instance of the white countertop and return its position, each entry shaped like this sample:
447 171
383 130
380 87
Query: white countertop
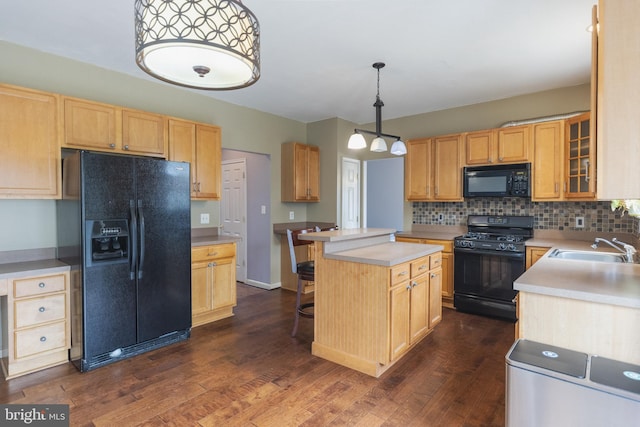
600 282
385 254
347 234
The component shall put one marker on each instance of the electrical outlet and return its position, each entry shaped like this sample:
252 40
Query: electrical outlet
292 215
204 218
263 209
579 222
440 217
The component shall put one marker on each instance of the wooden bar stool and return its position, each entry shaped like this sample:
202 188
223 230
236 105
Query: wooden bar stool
305 271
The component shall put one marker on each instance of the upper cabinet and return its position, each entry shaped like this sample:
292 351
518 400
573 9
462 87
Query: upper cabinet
300 172
103 127
580 155
502 145
548 161
433 169
200 145
29 143
618 108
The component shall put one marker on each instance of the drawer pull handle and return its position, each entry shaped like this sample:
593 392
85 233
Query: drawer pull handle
212 254
422 267
41 309
43 339
41 284
403 273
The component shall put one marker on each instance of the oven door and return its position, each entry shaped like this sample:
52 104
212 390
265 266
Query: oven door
483 281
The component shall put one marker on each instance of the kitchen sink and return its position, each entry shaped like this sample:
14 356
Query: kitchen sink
588 256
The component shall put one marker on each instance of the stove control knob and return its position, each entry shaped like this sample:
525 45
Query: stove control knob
502 247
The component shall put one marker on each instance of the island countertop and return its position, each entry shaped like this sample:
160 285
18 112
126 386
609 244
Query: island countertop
368 246
600 282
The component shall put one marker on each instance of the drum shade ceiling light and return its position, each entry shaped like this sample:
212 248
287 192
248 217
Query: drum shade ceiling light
201 44
357 141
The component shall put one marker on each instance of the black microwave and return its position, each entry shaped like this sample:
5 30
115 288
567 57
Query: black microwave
497 180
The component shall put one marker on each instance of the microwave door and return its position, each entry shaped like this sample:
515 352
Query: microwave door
487 183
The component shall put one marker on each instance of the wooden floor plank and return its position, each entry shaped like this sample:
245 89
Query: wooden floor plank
248 371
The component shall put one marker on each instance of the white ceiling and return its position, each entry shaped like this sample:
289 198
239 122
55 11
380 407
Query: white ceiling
317 54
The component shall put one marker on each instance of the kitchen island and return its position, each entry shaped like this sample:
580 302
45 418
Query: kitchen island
592 307
375 298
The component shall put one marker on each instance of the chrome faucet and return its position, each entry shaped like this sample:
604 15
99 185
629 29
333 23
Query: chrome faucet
626 249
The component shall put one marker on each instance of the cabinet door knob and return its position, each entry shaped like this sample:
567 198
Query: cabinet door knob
43 339
112 145
433 275
41 309
408 287
126 147
41 285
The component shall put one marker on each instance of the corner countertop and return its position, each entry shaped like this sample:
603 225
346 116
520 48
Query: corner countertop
29 268
600 282
212 240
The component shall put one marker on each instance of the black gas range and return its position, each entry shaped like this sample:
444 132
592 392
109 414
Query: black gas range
488 258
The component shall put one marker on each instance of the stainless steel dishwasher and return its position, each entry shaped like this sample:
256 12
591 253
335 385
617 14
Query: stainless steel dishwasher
552 386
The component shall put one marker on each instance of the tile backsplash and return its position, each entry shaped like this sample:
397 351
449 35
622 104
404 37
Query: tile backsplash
598 216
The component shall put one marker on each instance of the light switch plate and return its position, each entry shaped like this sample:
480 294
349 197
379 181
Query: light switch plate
291 215
579 222
204 218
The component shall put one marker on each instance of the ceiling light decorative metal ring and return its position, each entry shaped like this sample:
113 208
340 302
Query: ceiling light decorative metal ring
202 44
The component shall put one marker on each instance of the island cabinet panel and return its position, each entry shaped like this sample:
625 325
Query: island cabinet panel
368 316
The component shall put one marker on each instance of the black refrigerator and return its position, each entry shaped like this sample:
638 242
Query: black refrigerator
124 226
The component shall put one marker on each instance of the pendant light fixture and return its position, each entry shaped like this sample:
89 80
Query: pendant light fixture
357 141
201 44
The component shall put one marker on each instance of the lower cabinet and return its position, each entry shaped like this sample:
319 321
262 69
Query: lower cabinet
35 323
534 253
213 282
447 265
415 301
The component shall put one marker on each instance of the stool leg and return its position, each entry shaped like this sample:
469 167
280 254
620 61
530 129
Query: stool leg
298 295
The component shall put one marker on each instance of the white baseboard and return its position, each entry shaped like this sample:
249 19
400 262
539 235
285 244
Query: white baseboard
262 285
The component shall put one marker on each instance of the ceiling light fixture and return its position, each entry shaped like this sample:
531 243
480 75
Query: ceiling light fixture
201 44
357 141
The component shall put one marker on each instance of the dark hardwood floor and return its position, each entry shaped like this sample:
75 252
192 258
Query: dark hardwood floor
248 371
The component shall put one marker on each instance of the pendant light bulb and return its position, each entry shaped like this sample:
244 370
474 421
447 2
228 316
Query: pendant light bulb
378 145
356 142
398 148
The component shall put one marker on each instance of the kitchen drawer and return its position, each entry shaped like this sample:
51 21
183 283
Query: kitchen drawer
38 285
400 273
32 311
436 260
32 341
214 251
419 266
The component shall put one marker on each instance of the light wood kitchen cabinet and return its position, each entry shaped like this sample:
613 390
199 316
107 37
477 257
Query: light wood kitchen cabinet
213 282
501 145
29 142
548 161
446 279
413 313
534 253
201 146
618 91
300 177
417 170
102 127
36 315
580 159
433 169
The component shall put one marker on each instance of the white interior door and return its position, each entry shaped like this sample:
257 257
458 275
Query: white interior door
350 193
233 210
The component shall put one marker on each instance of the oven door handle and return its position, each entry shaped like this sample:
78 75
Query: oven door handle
505 254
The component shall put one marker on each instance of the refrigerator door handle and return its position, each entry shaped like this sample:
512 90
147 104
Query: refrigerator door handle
142 251
133 241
